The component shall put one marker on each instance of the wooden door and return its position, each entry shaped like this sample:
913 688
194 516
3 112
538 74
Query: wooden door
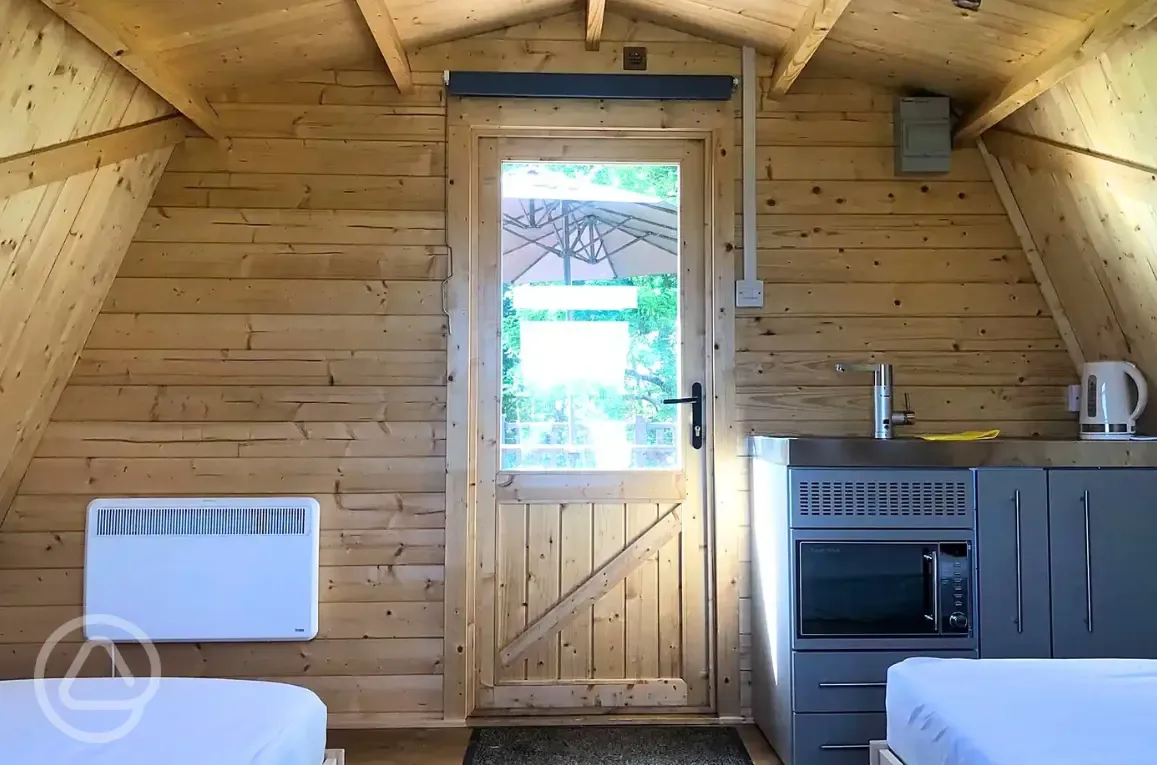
591 578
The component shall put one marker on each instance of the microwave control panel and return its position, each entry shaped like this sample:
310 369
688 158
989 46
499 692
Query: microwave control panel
955 568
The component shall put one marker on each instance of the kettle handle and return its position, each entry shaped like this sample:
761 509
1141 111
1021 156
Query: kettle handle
1142 388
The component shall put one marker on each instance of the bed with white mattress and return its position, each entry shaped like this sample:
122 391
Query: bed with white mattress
189 721
1020 712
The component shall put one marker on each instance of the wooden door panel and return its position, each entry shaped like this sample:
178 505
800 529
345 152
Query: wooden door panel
670 610
641 593
576 696
608 612
576 647
510 584
549 552
542 585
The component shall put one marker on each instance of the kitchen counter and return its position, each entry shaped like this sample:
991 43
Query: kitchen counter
913 452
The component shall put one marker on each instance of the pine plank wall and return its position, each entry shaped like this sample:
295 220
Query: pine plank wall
1095 222
277 328
60 243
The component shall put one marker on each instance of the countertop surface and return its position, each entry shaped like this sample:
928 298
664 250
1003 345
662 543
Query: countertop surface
913 452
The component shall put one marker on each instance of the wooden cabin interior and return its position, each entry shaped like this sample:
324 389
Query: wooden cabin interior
243 252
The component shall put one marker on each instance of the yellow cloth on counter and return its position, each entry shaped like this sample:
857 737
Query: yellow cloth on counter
968 435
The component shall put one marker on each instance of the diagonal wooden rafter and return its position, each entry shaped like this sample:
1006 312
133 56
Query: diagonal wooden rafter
385 32
90 18
63 160
1107 25
1033 254
598 584
596 11
817 21
1073 161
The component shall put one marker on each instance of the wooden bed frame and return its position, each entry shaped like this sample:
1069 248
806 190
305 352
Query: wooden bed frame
880 754
334 757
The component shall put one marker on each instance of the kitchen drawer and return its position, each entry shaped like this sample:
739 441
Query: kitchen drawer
836 739
848 681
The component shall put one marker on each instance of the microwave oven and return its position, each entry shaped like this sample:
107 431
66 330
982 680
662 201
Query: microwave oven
882 588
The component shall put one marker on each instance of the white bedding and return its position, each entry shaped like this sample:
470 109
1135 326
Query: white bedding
190 721
1023 711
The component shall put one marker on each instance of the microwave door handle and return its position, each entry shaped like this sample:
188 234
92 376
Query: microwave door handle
931 594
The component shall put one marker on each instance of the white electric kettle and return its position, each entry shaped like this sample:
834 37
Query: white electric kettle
1109 411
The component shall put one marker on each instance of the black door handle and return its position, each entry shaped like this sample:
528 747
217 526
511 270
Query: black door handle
696 402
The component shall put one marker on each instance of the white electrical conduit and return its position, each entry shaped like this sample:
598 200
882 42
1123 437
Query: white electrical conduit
749 290
750 160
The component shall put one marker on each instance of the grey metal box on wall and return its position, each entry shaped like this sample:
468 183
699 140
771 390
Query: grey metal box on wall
923 130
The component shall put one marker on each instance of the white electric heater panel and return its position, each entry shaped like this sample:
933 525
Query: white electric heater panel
221 569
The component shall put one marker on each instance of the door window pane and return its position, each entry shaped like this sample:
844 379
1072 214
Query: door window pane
590 317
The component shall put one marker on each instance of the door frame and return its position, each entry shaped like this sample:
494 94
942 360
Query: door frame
510 620
712 125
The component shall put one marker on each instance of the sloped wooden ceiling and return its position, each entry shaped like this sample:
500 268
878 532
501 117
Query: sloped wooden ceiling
928 44
1088 193
62 242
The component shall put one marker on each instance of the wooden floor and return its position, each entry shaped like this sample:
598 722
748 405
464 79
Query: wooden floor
446 746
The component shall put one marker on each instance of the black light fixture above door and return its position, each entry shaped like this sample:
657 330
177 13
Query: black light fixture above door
641 87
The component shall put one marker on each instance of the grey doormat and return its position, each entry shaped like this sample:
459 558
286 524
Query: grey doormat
619 745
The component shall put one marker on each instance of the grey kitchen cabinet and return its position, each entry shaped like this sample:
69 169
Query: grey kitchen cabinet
849 681
1103 546
836 739
1012 506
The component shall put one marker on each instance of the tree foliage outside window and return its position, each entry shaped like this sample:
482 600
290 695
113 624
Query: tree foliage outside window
661 181
651 372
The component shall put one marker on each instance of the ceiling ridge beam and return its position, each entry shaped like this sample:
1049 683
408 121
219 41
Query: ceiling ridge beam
122 46
596 12
1113 21
66 159
385 32
813 28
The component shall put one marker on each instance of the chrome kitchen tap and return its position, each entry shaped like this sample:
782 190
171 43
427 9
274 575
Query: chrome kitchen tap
884 419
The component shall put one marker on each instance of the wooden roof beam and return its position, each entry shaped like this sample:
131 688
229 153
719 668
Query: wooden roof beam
1049 155
63 160
1034 255
817 21
1115 19
596 10
90 18
385 32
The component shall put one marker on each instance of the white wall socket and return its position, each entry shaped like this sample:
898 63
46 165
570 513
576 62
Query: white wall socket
1074 398
749 293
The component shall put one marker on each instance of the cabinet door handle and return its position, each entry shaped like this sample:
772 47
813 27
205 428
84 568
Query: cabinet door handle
1088 567
853 685
842 747
1019 579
